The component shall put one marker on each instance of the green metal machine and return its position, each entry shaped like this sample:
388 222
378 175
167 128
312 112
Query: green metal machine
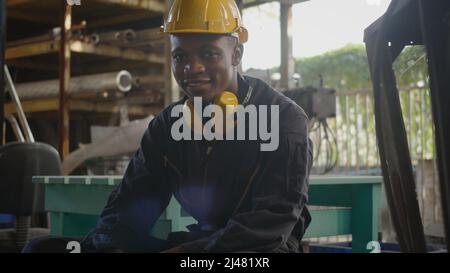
75 203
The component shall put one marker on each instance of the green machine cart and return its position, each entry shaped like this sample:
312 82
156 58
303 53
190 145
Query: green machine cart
75 203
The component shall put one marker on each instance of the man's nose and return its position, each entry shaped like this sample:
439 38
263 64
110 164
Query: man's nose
195 66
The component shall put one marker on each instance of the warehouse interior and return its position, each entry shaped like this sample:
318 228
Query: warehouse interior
81 80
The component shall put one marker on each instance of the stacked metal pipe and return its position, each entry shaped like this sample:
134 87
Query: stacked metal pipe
119 81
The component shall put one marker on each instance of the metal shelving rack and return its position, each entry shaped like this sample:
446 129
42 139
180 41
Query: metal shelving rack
72 53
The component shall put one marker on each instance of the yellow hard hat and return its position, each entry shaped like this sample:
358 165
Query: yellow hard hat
205 16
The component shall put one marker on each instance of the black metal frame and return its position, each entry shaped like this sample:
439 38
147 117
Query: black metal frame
410 22
2 63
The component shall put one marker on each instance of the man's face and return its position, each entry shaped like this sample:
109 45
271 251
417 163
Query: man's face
205 65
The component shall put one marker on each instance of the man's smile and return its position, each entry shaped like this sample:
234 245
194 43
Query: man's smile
196 82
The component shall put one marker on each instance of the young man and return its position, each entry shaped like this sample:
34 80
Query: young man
244 199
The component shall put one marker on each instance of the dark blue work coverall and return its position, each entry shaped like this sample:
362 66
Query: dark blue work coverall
244 199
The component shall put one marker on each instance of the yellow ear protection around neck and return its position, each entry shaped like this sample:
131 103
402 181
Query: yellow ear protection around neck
226 100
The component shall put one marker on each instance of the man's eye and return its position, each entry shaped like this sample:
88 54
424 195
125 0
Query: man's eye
178 58
211 54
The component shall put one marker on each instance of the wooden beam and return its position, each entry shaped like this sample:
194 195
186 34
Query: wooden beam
108 107
151 5
34 106
116 52
108 65
129 17
64 79
32 40
83 69
51 105
13 3
34 49
47 47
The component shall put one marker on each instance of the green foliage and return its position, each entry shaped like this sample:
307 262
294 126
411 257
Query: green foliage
347 68
410 67
343 69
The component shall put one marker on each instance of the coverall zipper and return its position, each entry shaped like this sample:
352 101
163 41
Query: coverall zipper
205 172
205 164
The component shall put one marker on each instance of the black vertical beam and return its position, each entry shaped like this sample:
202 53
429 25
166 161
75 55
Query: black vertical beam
2 65
392 141
435 23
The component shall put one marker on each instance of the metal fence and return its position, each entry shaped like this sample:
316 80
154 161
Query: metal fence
357 153
354 127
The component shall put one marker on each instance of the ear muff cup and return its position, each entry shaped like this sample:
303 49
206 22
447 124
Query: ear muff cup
226 100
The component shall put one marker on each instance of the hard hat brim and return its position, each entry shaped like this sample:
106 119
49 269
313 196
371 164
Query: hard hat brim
241 33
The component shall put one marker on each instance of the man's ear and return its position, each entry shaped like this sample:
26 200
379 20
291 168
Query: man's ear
237 54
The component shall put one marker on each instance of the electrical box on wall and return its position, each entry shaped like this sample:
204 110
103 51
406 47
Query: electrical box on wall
317 102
